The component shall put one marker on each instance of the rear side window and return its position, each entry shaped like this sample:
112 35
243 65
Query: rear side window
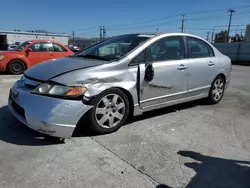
198 48
58 48
42 47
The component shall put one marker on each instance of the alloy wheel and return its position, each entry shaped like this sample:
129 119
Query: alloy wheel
218 89
110 111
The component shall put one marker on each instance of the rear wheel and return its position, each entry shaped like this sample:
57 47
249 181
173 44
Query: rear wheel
110 112
16 67
217 90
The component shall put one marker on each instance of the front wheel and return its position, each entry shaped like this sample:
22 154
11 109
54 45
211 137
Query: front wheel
110 111
16 67
217 90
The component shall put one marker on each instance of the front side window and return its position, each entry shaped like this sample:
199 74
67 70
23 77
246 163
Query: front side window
42 47
166 49
113 48
198 48
170 48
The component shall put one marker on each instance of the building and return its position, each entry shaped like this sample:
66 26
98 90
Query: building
247 34
16 37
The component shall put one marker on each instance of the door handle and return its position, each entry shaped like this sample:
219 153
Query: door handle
182 67
210 63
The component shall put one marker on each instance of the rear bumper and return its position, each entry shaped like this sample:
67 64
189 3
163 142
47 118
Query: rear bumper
50 116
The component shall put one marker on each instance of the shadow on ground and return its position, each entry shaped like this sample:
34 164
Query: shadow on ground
14 132
214 172
171 109
82 128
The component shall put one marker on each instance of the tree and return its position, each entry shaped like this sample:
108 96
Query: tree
221 36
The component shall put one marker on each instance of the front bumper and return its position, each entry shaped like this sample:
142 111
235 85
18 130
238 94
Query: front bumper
2 67
47 115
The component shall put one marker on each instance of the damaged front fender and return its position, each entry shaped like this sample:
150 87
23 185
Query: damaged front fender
100 78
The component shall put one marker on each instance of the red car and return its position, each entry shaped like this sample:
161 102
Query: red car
31 53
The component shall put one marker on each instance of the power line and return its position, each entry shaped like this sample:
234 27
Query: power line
142 22
141 26
216 10
164 19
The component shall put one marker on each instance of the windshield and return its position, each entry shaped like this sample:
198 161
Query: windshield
113 48
21 46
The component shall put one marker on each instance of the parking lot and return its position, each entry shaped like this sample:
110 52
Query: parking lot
190 145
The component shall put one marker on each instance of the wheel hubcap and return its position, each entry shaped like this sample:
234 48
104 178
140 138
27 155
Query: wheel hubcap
110 111
16 67
218 89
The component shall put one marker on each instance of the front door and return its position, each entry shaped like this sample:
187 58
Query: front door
41 52
169 83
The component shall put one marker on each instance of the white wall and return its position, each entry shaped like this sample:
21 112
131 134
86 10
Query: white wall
13 37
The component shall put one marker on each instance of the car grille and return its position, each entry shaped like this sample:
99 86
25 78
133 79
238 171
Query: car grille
18 109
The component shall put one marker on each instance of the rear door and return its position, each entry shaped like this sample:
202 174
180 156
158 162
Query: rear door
202 66
59 51
41 51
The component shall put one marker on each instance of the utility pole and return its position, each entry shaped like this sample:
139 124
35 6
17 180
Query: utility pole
73 37
182 23
208 35
241 32
231 11
104 32
101 33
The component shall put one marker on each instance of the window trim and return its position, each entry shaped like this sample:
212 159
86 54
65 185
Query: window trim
40 46
186 38
182 38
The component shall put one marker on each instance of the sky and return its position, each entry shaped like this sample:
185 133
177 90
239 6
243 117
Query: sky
84 17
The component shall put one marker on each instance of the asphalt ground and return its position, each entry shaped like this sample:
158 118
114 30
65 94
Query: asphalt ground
189 145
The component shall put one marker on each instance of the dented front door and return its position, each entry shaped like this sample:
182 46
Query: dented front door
163 76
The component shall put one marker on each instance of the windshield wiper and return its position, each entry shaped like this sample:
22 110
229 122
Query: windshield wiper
92 57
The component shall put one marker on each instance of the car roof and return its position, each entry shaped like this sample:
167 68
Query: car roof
41 40
156 34
179 34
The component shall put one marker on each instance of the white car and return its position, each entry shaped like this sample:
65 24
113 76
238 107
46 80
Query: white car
11 47
120 77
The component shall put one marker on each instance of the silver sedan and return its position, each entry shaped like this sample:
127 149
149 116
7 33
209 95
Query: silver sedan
122 76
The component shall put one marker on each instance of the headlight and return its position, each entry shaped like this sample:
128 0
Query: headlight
1 57
59 90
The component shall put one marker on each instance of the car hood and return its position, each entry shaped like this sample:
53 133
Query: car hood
53 68
9 52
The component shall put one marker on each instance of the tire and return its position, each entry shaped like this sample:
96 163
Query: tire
109 111
217 90
16 67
